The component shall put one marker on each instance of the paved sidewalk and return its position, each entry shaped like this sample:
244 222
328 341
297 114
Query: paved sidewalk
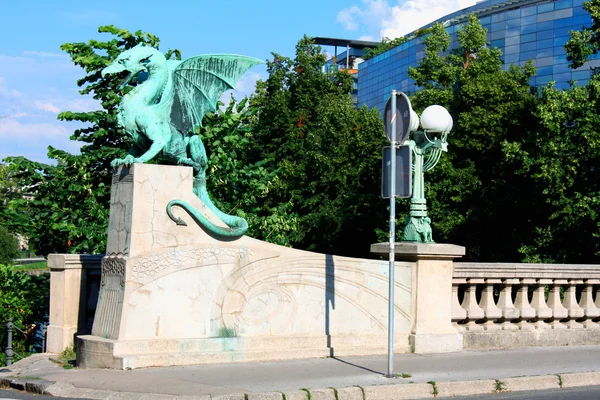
453 373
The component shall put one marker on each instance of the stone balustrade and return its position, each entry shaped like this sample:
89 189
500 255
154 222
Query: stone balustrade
489 297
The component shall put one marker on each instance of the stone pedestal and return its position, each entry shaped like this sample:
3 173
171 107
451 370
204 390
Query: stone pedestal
431 313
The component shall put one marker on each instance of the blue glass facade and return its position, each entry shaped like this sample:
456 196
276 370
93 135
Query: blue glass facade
522 29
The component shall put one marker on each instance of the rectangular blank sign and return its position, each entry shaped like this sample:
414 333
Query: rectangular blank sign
403 172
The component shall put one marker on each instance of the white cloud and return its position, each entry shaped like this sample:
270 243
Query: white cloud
380 20
18 115
244 88
46 54
347 17
6 92
10 100
247 83
83 104
13 130
47 106
368 38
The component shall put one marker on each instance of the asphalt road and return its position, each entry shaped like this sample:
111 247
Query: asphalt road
581 393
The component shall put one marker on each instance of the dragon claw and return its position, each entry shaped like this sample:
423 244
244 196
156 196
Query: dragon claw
127 161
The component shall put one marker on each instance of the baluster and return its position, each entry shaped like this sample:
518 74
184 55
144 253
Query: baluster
522 303
587 303
509 312
538 302
491 310
558 310
458 313
474 312
570 303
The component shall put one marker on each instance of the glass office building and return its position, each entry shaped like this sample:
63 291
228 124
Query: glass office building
523 29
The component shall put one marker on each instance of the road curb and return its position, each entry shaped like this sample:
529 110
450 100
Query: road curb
530 383
31 385
580 379
399 391
464 388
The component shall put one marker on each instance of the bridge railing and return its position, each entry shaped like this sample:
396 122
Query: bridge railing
499 296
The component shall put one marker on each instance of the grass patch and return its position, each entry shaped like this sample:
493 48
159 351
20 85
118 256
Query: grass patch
335 392
67 357
403 375
33 266
435 389
307 393
500 386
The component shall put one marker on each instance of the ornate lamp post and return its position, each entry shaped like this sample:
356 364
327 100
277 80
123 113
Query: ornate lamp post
427 147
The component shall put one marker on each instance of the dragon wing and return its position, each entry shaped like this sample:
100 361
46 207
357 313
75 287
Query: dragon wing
199 82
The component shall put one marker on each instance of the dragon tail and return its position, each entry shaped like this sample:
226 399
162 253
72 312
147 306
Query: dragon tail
236 226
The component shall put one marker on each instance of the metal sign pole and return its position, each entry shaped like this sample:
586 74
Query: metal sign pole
392 256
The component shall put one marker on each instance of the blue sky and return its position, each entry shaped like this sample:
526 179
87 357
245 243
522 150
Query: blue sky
37 80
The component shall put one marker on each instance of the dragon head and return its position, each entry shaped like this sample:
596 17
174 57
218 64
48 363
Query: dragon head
135 60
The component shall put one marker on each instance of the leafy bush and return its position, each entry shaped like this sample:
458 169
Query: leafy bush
25 299
9 247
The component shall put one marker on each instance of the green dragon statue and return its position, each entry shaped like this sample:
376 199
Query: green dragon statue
161 111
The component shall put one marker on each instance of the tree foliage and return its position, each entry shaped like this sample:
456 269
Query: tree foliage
25 299
385 45
9 188
9 247
388 44
520 182
560 161
239 185
474 187
585 42
327 153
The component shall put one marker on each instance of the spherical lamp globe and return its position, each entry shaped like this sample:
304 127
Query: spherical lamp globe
414 121
436 119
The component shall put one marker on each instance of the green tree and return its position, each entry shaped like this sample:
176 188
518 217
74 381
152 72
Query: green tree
8 186
585 42
239 185
560 160
474 189
9 190
388 44
25 299
9 247
328 153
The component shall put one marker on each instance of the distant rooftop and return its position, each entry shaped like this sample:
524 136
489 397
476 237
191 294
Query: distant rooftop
355 44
